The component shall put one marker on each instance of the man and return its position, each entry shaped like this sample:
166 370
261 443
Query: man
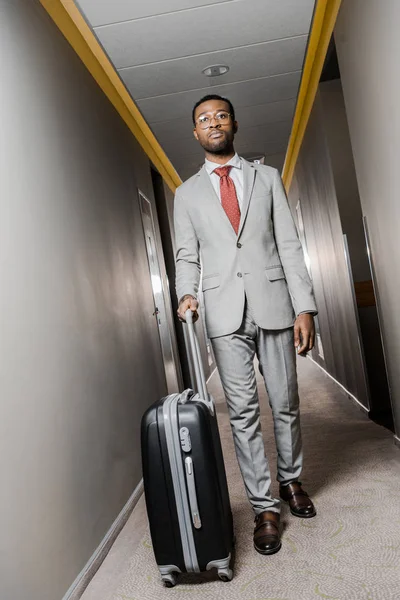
258 301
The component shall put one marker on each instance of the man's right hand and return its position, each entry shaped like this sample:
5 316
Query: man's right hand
186 303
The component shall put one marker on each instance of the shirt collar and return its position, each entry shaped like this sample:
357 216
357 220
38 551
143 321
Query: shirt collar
235 162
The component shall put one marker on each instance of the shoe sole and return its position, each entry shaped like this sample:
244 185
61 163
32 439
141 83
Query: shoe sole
314 514
267 552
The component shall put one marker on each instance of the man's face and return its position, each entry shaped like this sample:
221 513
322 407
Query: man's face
219 134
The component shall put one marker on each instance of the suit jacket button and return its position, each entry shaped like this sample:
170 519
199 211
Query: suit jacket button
239 245
239 275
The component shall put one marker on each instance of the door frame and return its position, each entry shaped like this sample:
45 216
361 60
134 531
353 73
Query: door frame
174 382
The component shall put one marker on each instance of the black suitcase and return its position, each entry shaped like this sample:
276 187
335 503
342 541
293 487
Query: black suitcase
185 482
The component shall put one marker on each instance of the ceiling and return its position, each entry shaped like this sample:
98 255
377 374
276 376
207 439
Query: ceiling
160 47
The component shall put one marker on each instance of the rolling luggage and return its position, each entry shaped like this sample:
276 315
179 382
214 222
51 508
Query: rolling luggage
185 482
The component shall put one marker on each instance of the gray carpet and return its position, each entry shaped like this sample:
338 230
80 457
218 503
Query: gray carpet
351 550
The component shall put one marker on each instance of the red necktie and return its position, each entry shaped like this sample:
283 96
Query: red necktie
229 199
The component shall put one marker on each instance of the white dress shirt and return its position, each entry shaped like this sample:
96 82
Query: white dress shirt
236 173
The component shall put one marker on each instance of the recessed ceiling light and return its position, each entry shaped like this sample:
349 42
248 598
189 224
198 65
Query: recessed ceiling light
215 70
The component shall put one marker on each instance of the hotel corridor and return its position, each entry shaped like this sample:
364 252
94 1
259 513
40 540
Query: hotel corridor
97 135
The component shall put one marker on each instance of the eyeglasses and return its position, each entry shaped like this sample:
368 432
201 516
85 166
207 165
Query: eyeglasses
221 117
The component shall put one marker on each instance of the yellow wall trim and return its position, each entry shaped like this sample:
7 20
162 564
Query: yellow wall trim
325 15
73 26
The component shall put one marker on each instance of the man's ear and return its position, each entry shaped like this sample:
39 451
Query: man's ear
235 126
195 134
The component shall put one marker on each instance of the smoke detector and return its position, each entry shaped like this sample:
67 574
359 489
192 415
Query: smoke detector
215 70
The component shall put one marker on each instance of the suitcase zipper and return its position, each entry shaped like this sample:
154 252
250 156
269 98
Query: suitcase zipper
170 413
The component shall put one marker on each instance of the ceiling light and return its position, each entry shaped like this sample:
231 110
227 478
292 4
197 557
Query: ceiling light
215 70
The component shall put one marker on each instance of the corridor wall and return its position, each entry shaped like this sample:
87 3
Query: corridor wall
368 46
313 186
351 217
335 125
80 353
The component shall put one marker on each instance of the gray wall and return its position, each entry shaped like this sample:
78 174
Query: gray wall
351 217
334 121
80 354
368 46
314 186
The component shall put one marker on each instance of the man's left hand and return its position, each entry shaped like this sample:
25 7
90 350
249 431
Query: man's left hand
304 333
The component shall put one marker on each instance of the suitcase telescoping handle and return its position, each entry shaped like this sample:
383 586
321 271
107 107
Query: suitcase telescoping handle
201 383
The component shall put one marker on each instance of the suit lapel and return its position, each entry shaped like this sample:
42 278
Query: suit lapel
210 192
249 173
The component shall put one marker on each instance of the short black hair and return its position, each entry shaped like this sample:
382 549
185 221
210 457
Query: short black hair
213 97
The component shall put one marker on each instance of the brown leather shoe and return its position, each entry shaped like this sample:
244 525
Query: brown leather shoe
266 532
299 502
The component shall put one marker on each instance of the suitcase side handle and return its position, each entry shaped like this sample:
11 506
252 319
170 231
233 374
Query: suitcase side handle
201 383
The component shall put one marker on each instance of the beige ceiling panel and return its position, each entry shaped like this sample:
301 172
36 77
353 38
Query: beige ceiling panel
176 128
205 29
273 131
102 12
262 114
249 62
265 147
245 93
182 147
161 47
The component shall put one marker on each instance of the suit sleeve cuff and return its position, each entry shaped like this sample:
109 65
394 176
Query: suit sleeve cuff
187 296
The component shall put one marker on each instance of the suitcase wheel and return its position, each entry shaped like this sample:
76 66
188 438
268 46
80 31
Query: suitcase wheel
170 580
225 574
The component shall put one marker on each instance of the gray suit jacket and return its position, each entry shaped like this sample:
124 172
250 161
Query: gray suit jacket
264 261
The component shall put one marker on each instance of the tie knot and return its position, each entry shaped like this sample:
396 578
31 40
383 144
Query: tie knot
223 171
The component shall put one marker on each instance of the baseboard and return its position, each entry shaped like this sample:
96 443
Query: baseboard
363 408
88 572
396 440
213 371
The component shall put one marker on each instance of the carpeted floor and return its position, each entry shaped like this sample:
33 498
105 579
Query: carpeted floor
351 550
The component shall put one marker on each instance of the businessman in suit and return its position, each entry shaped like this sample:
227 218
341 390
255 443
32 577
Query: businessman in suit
234 231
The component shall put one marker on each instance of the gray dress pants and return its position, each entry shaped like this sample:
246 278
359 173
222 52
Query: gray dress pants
234 355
